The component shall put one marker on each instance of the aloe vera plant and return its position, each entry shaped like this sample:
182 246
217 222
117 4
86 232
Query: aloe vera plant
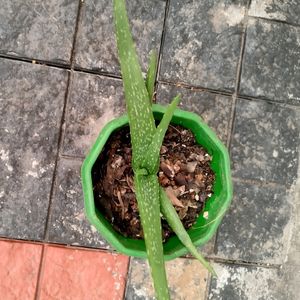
146 140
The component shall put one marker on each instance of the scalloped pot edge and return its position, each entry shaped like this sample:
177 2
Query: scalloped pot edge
210 218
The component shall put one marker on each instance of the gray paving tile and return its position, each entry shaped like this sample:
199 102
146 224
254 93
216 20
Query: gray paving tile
186 277
287 11
247 283
214 109
265 210
38 29
291 268
271 61
258 226
68 224
94 100
31 102
266 142
203 41
96 48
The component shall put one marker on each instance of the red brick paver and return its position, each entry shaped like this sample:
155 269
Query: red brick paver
81 274
19 266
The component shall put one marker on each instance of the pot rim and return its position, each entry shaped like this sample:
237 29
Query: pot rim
207 227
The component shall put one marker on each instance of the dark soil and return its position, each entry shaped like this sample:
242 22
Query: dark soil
184 172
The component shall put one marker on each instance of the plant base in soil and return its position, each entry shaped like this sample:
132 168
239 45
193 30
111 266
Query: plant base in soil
184 172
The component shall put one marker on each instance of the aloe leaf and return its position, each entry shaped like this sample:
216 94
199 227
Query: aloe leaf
151 158
150 78
174 221
147 193
141 120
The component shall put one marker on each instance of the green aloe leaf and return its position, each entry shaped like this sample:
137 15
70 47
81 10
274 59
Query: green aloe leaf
150 78
142 130
147 193
174 221
141 120
151 158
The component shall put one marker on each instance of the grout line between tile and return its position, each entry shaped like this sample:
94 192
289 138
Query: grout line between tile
97 72
195 88
207 289
72 157
275 21
236 262
65 246
162 42
258 182
78 18
40 273
37 61
284 103
237 84
62 122
235 94
127 277
215 259
59 143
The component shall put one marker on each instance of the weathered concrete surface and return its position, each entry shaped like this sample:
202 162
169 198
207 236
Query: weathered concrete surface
214 109
38 29
96 46
94 101
203 42
187 280
265 142
278 282
68 223
31 104
291 268
271 61
287 11
246 283
258 226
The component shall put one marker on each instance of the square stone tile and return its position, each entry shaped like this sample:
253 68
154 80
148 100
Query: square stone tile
214 109
94 101
186 277
68 223
203 42
38 29
246 283
258 226
265 142
291 268
31 103
81 274
19 267
96 47
287 11
271 64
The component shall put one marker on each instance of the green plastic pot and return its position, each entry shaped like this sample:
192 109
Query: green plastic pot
207 222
